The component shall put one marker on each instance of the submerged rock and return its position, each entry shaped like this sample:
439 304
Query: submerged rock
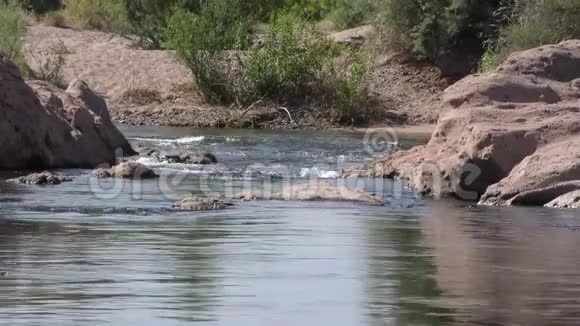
315 192
143 150
201 204
503 134
42 178
191 158
126 170
44 127
569 200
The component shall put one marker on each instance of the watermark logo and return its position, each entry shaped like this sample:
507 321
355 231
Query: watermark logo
380 140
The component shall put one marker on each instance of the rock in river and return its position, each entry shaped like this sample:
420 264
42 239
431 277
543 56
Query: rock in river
506 137
569 200
126 170
43 127
143 150
42 178
191 158
201 204
315 192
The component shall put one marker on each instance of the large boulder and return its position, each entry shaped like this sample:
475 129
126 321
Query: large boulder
502 133
569 200
44 127
544 173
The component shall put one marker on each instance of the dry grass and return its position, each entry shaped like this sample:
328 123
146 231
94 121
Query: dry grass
140 96
49 63
54 19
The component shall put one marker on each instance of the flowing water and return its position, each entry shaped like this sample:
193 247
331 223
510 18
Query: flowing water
91 253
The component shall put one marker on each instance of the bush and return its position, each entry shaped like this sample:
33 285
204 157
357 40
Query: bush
203 39
432 29
544 22
298 66
347 89
54 19
49 63
41 7
103 15
532 24
489 61
293 56
148 20
12 26
350 13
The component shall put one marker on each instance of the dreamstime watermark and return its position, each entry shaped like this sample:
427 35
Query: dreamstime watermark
380 141
429 177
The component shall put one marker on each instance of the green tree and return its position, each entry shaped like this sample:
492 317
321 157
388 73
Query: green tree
40 7
202 39
435 28
12 27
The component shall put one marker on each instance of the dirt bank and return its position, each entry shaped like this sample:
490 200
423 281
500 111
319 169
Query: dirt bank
153 88
508 137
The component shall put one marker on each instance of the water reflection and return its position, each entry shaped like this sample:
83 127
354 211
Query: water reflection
505 266
400 285
75 259
437 264
195 275
87 273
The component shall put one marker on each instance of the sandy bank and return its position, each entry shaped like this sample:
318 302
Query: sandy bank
404 93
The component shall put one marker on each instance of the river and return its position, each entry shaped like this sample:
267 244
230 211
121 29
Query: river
95 253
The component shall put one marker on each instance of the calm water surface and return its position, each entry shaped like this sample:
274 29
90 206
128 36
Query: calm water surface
76 255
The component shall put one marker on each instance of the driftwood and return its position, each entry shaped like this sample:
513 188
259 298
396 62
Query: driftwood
281 108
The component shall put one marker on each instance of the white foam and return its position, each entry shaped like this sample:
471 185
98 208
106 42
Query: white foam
318 173
189 140
168 141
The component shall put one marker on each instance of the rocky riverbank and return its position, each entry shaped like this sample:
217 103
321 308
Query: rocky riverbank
507 137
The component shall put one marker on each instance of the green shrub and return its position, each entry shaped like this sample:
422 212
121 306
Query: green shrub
489 61
294 54
203 39
434 28
12 26
41 7
347 89
149 18
350 13
103 15
531 24
544 22
297 66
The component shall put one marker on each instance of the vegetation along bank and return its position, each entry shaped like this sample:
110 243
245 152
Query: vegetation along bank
274 64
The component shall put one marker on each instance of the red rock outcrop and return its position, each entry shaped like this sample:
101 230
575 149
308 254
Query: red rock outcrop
502 133
569 200
42 127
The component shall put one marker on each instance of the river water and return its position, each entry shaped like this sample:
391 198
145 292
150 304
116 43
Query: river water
92 253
